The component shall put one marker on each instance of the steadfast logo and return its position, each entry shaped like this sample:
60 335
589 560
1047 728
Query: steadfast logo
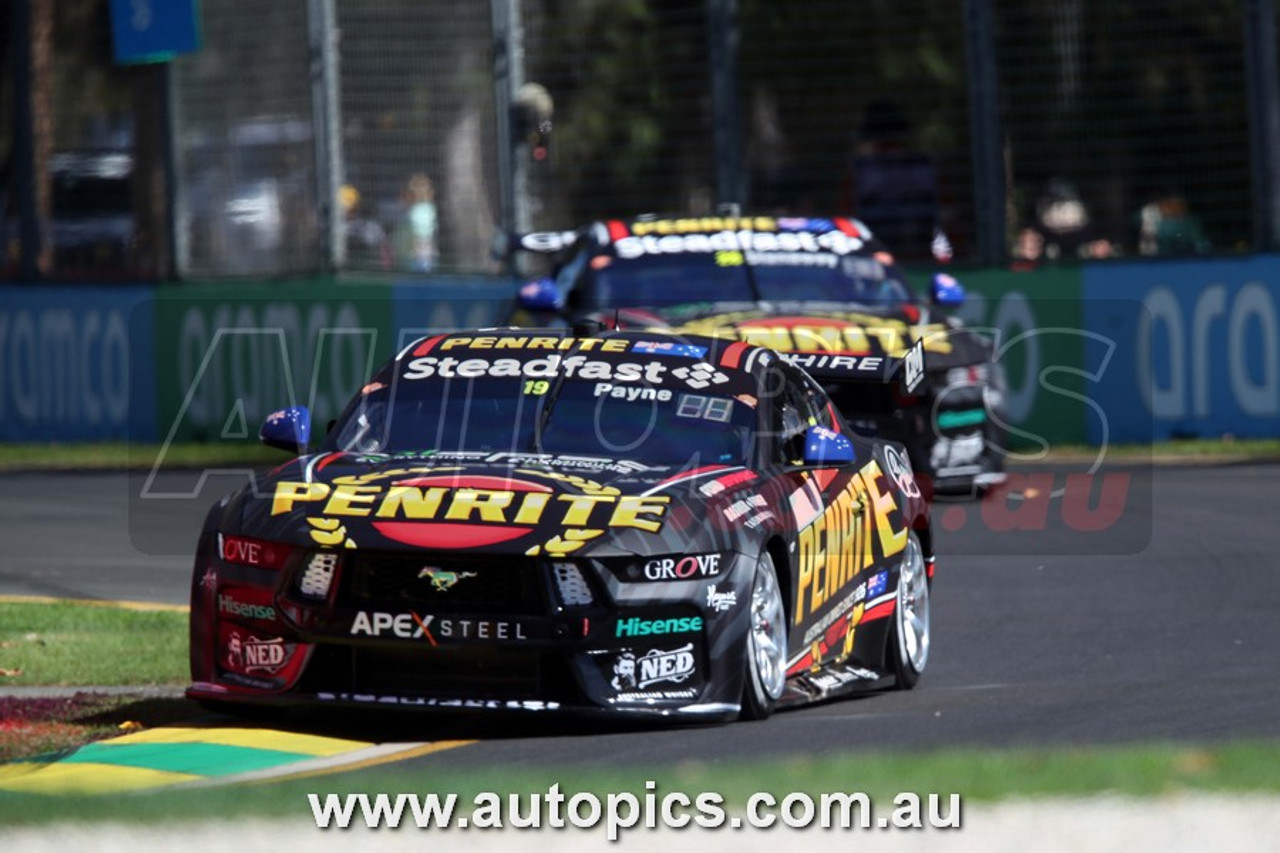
840 543
742 240
573 366
637 627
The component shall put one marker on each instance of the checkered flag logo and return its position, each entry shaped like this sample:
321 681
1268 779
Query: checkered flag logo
700 375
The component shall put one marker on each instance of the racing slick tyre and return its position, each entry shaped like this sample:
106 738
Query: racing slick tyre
909 634
766 644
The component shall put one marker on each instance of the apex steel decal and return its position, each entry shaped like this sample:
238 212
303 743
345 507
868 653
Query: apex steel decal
439 508
411 626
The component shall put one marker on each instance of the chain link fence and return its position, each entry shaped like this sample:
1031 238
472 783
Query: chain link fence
376 137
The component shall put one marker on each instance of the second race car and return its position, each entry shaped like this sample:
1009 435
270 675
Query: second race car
807 286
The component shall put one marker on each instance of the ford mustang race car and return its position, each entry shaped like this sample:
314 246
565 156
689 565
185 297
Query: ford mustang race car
810 287
628 523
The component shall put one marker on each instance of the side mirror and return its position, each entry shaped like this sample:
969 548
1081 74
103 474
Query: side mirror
540 295
825 447
288 429
946 291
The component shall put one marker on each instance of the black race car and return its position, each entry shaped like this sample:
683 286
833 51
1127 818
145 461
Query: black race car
812 287
625 523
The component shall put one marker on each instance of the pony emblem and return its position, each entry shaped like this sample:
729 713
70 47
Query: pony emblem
441 580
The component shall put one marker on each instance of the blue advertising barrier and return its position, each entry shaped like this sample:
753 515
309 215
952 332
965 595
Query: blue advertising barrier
1194 348
77 363
444 303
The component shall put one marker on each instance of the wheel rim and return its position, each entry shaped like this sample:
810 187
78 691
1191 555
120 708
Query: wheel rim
913 608
768 631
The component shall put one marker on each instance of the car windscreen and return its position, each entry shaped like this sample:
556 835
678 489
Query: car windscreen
699 277
660 426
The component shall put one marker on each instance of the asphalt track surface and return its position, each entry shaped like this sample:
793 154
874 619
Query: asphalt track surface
1164 630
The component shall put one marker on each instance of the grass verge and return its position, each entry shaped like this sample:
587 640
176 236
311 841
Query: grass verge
55 456
72 643
975 774
33 726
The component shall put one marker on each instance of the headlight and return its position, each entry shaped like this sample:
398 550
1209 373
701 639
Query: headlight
571 586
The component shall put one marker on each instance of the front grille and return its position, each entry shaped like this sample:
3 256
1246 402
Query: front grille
467 584
476 672
483 672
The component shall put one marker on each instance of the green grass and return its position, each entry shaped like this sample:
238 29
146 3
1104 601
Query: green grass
975 774
81 644
24 456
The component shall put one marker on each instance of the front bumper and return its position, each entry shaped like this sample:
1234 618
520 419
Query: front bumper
669 648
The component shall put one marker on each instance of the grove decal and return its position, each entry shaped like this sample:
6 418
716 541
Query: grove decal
682 568
440 508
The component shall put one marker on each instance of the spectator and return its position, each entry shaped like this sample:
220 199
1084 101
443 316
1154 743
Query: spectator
414 238
1063 229
892 187
365 238
1167 227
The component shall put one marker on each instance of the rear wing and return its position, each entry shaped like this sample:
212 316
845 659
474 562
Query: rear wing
908 370
506 244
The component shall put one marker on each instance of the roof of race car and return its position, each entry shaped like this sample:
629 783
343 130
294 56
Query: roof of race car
640 236
720 364
697 361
